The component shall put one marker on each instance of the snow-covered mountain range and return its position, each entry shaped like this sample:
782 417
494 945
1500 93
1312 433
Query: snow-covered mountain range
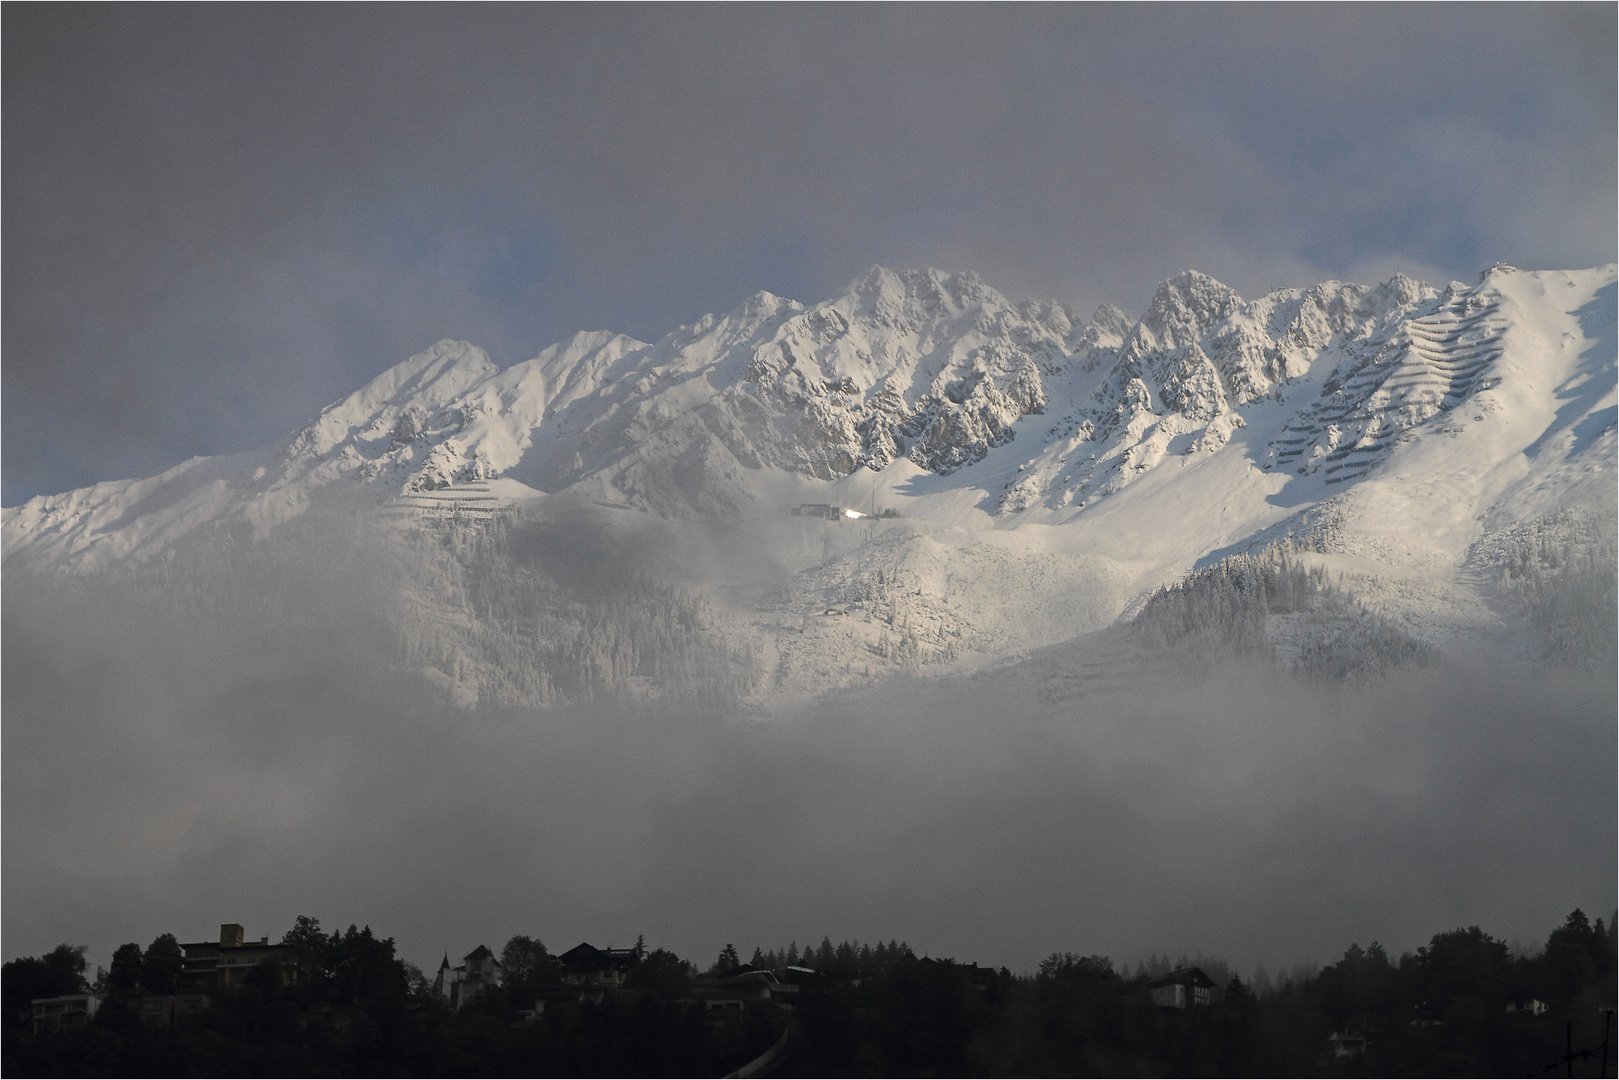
1048 471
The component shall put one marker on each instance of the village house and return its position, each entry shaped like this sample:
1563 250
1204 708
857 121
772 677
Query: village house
594 971
211 965
725 998
204 966
54 1014
460 985
1187 988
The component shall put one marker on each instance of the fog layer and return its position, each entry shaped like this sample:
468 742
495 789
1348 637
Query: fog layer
170 768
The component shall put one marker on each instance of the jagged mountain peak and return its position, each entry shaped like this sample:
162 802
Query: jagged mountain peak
429 380
1184 308
1341 373
764 305
721 332
439 372
932 367
910 297
1110 319
1399 291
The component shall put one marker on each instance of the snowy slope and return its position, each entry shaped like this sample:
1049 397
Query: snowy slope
1104 457
936 366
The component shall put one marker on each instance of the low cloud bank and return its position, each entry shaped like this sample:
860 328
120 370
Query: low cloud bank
169 772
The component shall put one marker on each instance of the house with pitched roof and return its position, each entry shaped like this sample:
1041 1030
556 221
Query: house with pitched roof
477 972
594 971
1189 987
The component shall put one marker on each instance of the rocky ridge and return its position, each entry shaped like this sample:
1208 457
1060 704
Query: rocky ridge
935 370
1183 374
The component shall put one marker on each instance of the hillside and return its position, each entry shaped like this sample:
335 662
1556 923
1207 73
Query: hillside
1434 453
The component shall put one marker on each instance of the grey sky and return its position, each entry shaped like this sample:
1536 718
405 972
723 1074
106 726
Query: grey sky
218 219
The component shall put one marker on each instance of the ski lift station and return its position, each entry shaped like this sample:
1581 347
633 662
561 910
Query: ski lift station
827 511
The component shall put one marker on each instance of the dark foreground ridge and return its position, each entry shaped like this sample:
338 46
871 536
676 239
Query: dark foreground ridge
342 1004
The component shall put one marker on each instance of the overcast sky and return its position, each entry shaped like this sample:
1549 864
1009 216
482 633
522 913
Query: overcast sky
220 218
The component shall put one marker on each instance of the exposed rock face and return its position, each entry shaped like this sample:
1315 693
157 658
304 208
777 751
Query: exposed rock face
1199 355
1388 383
1100 340
935 368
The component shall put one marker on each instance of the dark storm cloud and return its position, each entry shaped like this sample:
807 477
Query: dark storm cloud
220 218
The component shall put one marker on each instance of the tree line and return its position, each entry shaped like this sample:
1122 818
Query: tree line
344 1004
1225 608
